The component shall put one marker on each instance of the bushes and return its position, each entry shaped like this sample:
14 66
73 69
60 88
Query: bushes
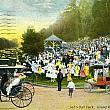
6 44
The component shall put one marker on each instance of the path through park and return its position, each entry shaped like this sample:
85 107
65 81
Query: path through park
51 99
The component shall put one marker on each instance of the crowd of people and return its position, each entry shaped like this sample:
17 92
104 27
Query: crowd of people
71 63
75 62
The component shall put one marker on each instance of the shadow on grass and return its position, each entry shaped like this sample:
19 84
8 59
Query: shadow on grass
79 82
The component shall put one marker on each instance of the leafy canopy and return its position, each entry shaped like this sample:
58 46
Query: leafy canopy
33 42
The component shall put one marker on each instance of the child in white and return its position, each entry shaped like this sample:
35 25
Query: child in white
53 75
71 87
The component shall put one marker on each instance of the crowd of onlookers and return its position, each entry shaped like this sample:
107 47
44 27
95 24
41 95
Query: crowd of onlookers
73 62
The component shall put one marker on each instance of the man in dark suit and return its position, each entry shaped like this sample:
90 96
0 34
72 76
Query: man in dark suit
59 79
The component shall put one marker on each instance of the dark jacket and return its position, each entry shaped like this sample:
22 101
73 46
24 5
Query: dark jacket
59 76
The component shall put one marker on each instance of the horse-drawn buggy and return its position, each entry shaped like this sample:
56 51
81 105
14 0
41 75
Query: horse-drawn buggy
19 92
101 78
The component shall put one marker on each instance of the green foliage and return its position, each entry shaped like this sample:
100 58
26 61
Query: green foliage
75 22
7 44
82 18
33 42
109 74
101 14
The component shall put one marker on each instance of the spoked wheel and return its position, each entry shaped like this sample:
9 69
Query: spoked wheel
87 87
29 85
108 89
21 96
0 96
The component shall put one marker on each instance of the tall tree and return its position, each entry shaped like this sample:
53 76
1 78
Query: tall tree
75 22
101 15
83 18
85 10
33 42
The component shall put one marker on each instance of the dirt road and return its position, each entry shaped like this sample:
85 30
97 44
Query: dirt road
51 99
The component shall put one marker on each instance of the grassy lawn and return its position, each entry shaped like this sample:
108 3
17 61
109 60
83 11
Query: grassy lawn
79 82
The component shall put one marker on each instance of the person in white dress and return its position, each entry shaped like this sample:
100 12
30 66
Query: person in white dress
53 75
16 81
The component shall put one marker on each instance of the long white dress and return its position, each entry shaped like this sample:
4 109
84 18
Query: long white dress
15 82
54 74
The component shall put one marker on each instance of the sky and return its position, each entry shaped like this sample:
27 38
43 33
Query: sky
23 13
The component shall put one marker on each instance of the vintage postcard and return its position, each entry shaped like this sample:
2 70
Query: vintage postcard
55 54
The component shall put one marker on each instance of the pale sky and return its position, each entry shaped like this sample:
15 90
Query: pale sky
38 13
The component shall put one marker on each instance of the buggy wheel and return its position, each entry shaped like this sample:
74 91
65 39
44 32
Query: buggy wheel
0 96
87 87
29 85
21 96
108 89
